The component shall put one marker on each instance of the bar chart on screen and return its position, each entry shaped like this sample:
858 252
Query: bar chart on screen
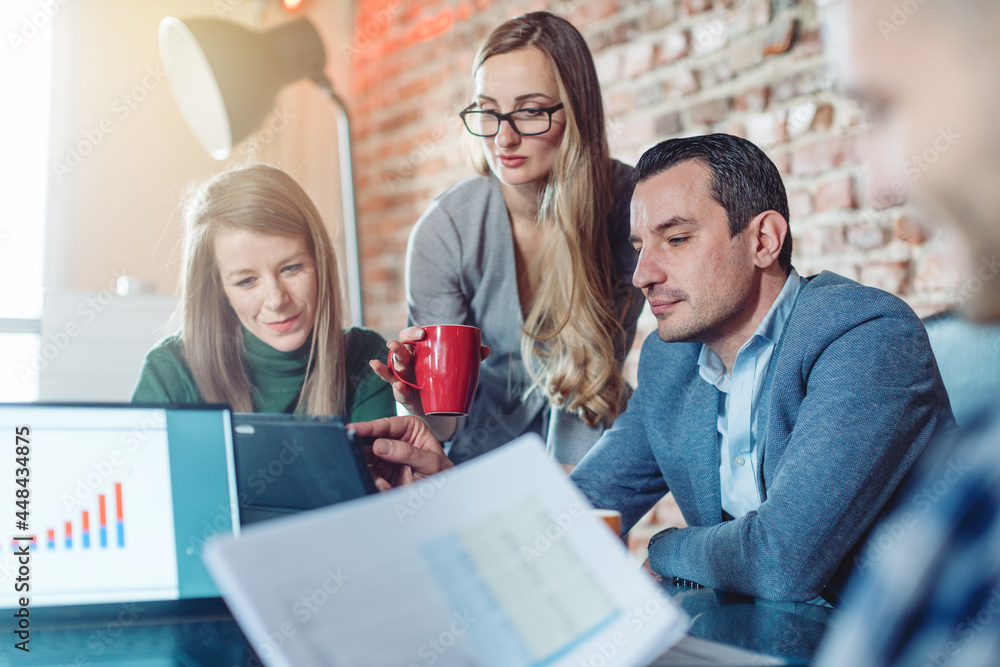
103 534
97 517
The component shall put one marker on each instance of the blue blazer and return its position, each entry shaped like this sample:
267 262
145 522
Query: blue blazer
851 398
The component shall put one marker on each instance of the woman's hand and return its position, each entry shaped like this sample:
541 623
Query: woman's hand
443 428
402 356
405 450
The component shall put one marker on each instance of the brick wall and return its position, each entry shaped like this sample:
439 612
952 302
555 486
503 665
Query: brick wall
754 68
668 68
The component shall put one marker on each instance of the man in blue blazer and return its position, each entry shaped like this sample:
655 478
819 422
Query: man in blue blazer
782 412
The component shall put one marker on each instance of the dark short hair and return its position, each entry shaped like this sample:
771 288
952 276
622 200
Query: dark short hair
744 180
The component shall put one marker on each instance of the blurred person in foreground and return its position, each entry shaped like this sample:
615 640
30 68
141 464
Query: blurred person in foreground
928 591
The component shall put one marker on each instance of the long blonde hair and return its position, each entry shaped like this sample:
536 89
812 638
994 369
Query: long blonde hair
574 325
263 200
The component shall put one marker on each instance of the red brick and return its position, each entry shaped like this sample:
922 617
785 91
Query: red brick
681 82
734 128
754 99
886 198
697 6
621 33
591 11
673 46
649 95
910 230
658 17
745 56
620 101
709 113
823 155
708 36
638 59
821 241
867 235
937 273
431 27
668 125
893 277
837 195
713 74
808 43
779 39
823 118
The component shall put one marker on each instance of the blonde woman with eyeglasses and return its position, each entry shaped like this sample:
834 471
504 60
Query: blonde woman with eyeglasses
534 251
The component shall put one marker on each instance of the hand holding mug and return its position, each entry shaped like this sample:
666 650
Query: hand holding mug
432 369
402 359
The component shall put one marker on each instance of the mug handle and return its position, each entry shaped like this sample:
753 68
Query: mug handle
392 367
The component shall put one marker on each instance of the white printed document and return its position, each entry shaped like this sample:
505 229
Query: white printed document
499 563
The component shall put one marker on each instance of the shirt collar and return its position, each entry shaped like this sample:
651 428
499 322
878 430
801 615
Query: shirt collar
773 323
710 366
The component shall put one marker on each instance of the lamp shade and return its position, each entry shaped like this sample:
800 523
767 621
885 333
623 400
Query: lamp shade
225 78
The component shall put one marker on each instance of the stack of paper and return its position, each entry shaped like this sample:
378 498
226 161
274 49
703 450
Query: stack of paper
497 563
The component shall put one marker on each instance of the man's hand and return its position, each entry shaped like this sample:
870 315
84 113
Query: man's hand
404 451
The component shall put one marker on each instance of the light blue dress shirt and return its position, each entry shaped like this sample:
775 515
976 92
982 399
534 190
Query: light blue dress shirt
739 401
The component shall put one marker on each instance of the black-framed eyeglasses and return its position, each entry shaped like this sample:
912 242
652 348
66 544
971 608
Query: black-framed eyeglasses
526 122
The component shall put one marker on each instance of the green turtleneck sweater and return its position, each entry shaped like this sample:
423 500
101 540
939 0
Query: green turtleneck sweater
276 376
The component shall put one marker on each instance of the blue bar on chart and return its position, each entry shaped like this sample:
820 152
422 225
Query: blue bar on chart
51 539
69 534
86 529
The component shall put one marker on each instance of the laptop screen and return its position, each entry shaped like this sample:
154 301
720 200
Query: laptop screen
112 502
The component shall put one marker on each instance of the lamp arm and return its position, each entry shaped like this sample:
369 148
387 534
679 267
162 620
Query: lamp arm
347 199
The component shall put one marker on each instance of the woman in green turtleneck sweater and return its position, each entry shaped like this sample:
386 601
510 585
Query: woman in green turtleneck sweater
261 299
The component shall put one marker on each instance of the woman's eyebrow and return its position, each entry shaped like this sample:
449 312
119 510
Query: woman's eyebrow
487 98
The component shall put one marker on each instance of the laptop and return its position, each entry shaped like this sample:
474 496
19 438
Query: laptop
101 562
291 463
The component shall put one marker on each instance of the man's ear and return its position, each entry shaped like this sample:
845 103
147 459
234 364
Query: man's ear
767 234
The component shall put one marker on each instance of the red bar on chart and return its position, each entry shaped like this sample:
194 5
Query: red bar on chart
69 534
51 538
86 529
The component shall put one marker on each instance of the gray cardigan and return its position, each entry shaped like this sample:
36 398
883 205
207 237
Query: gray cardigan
851 398
460 270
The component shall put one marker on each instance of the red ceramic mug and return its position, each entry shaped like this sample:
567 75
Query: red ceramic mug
446 368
